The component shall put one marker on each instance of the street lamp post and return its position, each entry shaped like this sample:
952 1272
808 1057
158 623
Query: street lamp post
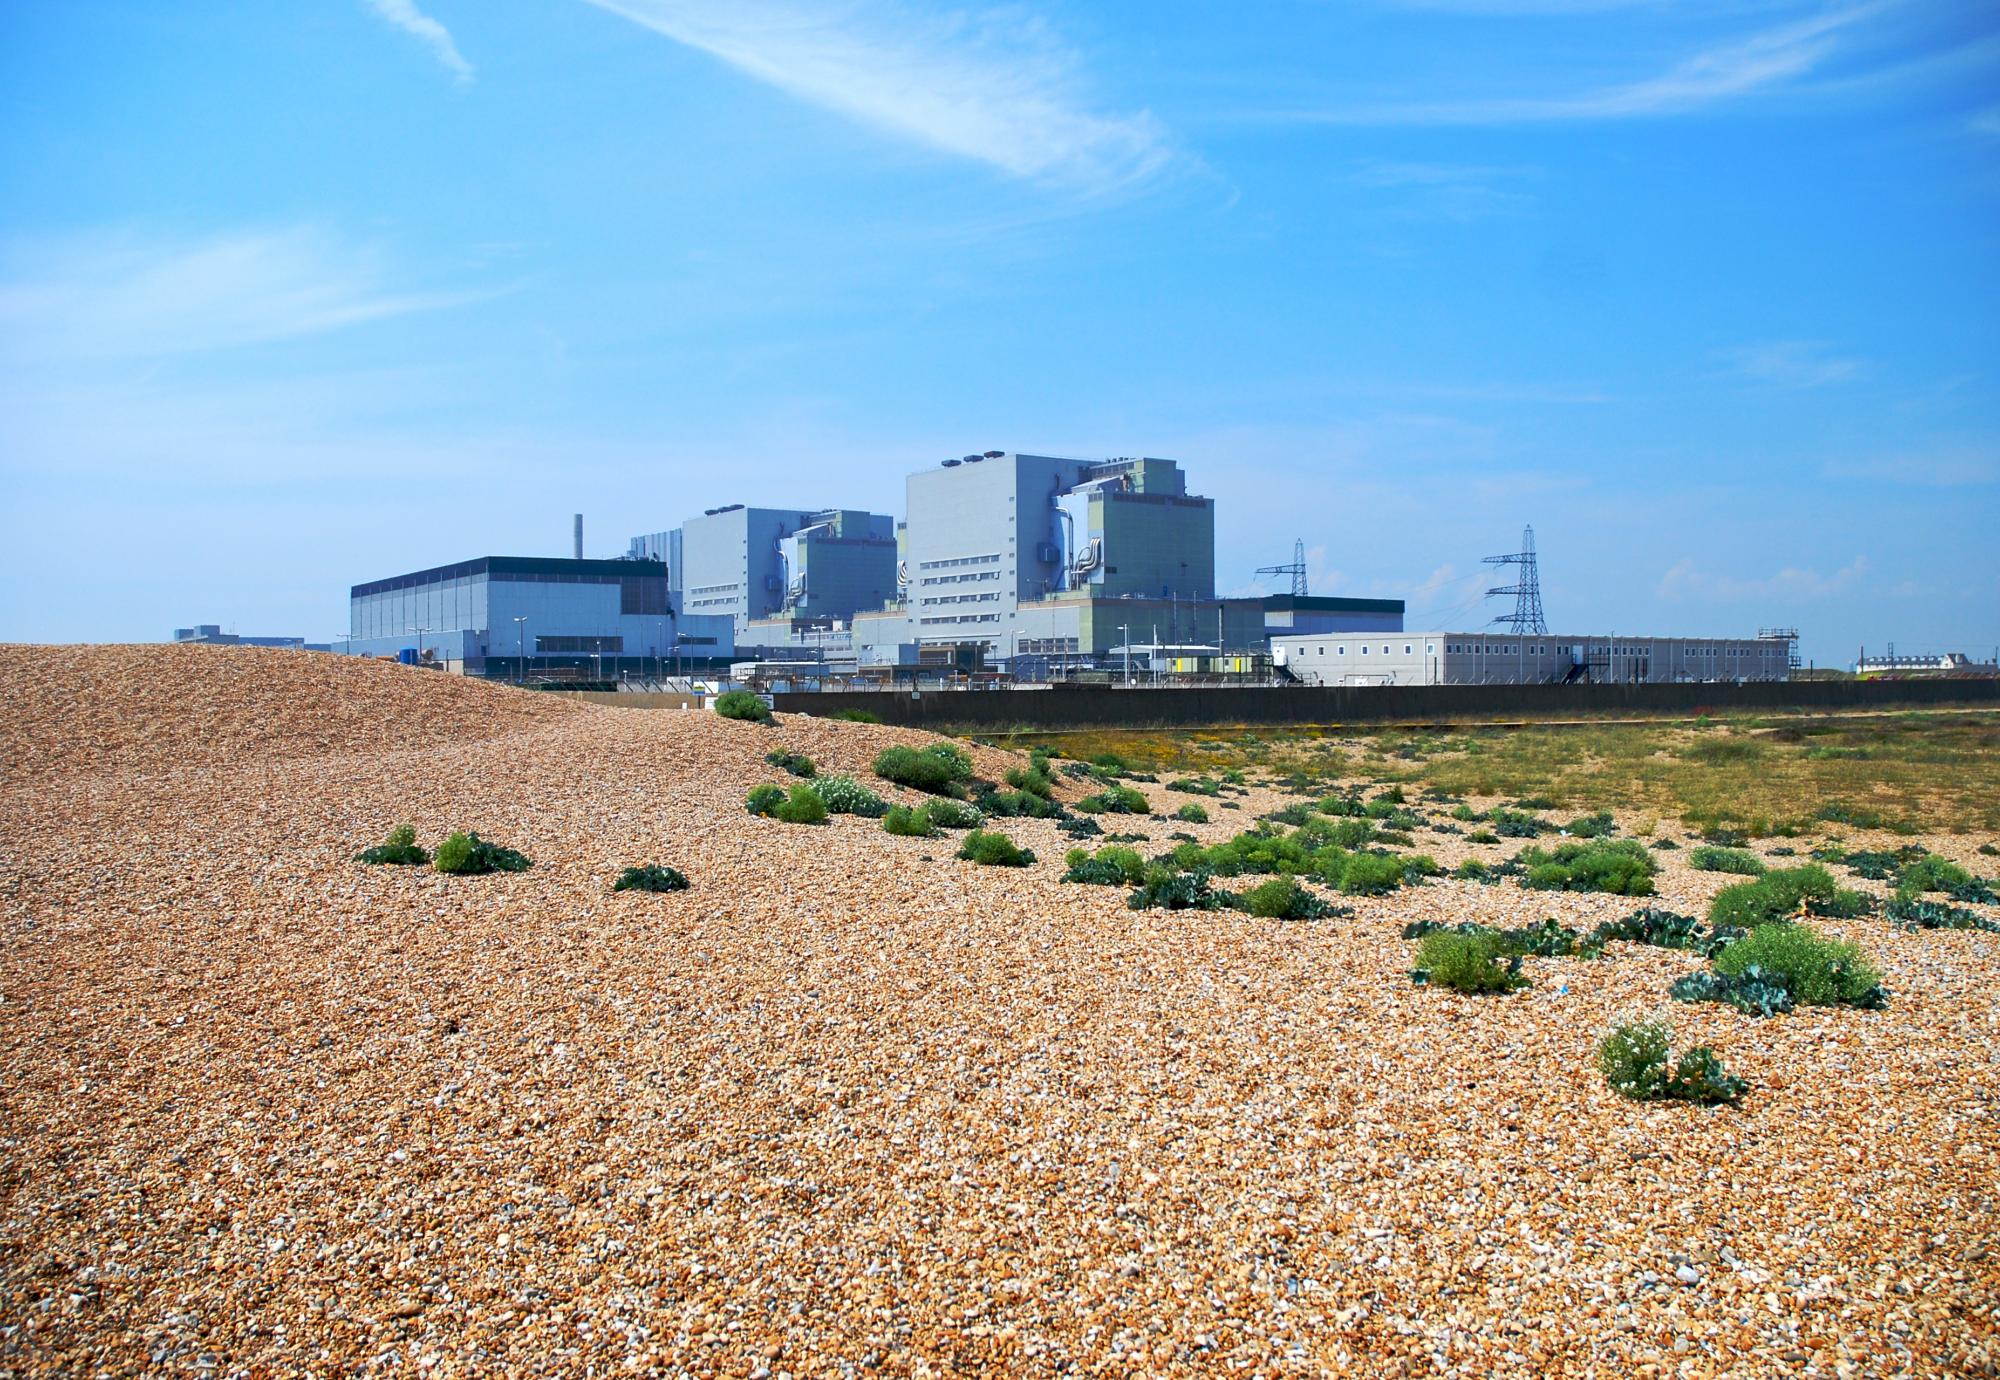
521 629
1125 640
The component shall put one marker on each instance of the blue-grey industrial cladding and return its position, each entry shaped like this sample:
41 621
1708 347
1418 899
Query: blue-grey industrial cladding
1288 614
1048 556
468 612
754 563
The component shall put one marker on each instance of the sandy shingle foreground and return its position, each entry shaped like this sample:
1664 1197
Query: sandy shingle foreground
848 1104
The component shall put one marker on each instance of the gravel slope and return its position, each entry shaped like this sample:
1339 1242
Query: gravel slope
849 1103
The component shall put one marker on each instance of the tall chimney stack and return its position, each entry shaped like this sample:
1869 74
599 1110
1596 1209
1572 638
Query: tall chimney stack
579 536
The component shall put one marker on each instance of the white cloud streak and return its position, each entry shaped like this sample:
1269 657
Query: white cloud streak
1718 74
1788 364
995 89
1951 470
1687 581
406 16
123 297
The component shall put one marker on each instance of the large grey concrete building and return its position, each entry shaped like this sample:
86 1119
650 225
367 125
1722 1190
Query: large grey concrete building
1041 556
790 564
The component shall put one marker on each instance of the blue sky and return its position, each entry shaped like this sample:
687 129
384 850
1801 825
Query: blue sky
295 296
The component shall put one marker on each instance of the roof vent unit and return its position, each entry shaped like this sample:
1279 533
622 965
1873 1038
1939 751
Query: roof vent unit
951 464
710 512
995 454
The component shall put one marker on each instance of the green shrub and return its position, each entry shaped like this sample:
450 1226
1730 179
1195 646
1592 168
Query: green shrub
1472 870
797 763
1107 867
1191 813
1115 800
1619 866
1723 837
1482 836
1549 939
1465 814
858 716
1110 763
468 855
1369 874
1990 850
1012 804
1513 824
1817 971
1282 898
764 799
1633 1060
742 704
399 849
1842 905
1932 873
1081 827
803 806
1341 805
1320 832
937 769
993 850
1741 861
1594 826
1290 814
1167 889
1033 780
1467 962
908 823
843 795
1195 785
952 814
650 878
1779 893
1389 815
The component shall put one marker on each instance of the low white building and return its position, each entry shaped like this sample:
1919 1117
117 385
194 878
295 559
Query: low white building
1505 658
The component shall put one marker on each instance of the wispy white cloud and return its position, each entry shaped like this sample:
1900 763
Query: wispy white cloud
1788 364
406 16
1726 71
1449 191
995 88
1688 581
124 296
1949 470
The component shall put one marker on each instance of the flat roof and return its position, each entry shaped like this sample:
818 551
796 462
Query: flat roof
1319 603
560 568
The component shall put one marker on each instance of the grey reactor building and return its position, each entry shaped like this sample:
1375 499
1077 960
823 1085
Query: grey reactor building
1034 564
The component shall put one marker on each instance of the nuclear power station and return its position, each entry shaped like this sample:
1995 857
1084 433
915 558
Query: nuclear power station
1015 567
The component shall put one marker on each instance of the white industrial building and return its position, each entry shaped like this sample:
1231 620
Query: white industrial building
1509 658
